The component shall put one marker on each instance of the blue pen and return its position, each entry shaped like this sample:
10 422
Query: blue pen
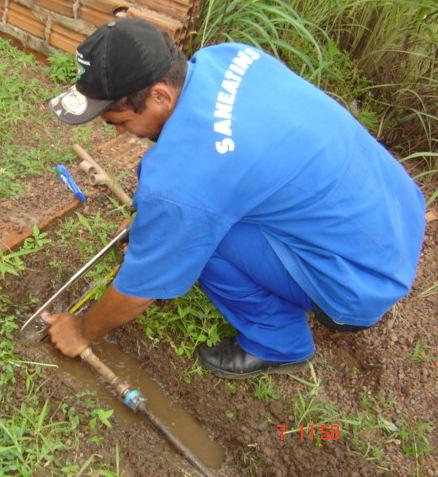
68 180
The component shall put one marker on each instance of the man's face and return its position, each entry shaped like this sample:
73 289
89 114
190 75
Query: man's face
149 123
145 124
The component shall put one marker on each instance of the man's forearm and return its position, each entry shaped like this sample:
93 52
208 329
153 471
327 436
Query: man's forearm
112 310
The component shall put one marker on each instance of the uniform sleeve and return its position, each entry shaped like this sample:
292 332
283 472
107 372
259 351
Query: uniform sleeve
169 245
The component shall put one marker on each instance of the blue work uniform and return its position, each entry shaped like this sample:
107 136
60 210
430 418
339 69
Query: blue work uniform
273 196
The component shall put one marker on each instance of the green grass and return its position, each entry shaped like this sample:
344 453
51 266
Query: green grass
18 98
414 438
62 67
12 262
37 433
45 437
185 322
31 138
265 389
420 353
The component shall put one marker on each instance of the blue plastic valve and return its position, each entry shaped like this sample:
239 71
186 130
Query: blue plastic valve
133 399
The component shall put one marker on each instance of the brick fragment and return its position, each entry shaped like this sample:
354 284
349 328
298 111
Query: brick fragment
167 7
23 18
165 23
106 6
14 239
94 17
63 7
65 39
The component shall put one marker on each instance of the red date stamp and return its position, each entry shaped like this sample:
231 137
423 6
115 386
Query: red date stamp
323 432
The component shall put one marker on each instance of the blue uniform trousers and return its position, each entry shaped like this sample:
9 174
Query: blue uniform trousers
253 290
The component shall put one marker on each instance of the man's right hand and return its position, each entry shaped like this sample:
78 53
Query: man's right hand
72 334
66 333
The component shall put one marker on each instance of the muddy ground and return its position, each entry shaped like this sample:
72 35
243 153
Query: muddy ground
375 362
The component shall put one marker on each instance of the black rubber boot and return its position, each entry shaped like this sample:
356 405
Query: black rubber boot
229 360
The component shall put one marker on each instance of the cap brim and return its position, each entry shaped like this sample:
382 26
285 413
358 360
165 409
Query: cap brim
72 107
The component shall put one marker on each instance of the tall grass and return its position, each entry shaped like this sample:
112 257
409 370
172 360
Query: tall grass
377 57
274 26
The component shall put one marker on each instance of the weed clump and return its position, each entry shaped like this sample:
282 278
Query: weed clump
62 67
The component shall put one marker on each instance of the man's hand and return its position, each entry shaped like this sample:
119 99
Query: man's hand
66 333
72 334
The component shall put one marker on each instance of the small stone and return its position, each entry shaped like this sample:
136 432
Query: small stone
276 408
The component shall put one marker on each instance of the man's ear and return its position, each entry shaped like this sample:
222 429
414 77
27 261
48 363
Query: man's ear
163 94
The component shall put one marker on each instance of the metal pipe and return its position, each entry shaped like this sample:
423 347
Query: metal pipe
87 167
135 400
96 179
110 182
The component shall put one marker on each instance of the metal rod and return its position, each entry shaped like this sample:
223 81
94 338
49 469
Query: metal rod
78 275
187 453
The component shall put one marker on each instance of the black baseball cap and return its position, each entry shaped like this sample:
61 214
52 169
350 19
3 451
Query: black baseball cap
117 60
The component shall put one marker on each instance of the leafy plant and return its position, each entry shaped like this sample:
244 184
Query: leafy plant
29 440
62 67
7 327
86 233
99 417
415 442
12 262
420 353
185 322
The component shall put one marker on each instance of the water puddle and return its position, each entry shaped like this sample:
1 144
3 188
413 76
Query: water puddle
83 378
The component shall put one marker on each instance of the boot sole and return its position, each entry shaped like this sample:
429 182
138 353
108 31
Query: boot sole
282 369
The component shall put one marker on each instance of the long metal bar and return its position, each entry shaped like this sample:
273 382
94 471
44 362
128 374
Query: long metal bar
78 274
